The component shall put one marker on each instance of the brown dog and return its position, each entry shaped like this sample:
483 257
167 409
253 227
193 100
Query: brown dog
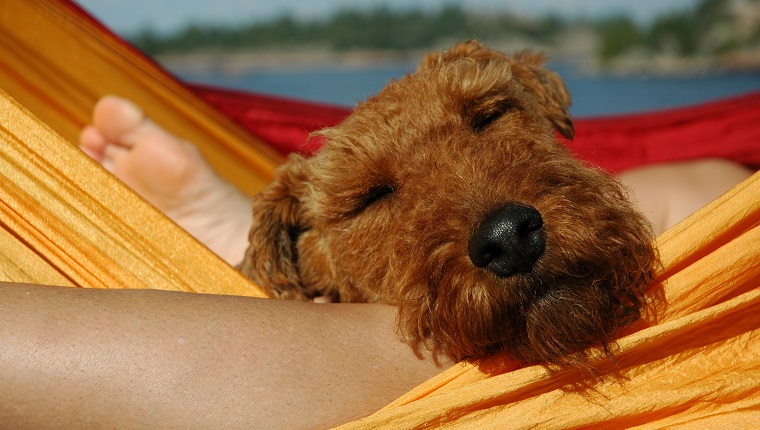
448 196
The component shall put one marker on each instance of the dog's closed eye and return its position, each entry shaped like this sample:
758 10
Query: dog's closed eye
486 111
482 121
375 195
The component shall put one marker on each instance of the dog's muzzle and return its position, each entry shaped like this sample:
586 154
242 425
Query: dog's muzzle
509 240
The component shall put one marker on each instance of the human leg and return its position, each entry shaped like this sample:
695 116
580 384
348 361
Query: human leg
157 359
667 193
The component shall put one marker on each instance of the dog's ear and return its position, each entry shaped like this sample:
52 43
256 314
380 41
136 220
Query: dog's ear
278 219
547 86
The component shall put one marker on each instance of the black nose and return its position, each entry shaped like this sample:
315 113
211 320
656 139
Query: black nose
509 240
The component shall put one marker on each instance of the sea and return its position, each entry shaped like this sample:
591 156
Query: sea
593 95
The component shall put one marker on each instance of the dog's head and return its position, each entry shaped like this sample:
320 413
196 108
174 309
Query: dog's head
449 196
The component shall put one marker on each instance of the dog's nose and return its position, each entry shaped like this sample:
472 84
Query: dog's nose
509 240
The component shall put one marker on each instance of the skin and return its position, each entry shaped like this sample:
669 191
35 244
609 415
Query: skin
668 193
73 358
171 174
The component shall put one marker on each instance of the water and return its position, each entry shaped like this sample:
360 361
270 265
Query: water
592 95
606 95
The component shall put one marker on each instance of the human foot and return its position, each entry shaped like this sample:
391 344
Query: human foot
169 173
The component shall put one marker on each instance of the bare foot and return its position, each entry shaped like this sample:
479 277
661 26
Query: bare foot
169 173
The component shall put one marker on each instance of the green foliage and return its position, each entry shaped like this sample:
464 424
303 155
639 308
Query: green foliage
685 33
381 28
678 31
618 35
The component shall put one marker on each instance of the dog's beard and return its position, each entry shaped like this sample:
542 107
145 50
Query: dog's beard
551 315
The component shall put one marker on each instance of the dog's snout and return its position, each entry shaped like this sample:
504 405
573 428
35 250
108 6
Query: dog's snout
509 240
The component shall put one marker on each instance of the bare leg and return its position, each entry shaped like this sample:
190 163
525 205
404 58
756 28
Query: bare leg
169 173
668 193
75 358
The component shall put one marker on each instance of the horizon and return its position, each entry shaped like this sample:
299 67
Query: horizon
128 17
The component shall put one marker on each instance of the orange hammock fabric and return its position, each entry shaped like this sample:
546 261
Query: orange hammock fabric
693 362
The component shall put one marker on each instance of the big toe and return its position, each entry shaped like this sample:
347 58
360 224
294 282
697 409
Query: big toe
116 117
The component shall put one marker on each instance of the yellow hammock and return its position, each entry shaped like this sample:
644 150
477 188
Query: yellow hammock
65 221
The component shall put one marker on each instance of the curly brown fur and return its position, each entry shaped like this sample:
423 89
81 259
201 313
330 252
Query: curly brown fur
385 211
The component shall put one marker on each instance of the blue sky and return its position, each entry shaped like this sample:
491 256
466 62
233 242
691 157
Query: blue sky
128 16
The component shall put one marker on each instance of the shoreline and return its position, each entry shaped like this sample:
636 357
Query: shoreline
250 61
236 63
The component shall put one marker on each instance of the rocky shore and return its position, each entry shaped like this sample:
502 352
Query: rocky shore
577 56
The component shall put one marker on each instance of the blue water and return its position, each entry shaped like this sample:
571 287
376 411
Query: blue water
592 95
605 95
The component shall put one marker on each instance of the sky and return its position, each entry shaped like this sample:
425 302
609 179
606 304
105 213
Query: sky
130 16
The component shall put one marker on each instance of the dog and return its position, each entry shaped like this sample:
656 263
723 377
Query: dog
450 196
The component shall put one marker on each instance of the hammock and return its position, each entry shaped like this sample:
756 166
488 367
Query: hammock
614 143
694 363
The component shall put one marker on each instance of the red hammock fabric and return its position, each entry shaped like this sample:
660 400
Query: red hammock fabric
728 128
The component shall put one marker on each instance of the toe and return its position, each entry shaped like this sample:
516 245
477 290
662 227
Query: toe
115 117
92 142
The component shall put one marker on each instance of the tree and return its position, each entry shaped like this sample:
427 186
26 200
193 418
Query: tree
618 35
